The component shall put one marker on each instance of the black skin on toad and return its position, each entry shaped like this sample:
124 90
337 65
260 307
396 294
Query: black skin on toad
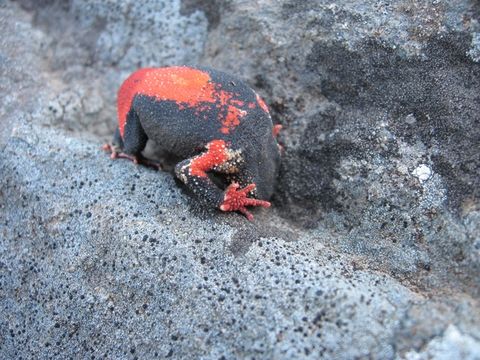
213 121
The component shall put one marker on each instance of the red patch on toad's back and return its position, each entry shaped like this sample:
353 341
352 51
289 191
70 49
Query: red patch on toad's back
186 86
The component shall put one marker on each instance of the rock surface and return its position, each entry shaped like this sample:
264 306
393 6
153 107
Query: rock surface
372 249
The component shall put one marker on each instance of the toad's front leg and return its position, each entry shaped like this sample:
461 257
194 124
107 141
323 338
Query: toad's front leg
218 157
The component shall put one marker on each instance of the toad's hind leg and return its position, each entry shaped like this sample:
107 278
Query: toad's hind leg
134 137
131 145
116 145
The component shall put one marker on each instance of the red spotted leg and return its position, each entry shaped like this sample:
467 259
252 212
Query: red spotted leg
275 132
218 157
236 200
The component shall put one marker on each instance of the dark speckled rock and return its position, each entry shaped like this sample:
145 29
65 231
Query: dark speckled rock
372 249
380 104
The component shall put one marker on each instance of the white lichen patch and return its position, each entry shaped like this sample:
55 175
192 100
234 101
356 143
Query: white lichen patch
410 119
422 172
474 51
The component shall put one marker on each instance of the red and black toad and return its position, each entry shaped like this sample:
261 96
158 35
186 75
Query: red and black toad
213 121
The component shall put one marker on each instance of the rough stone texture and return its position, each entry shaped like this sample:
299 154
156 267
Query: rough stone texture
370 94
450 346
19 69
372 249
93 45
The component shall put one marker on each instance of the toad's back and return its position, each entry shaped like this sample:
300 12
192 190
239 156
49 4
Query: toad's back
195 103
212 121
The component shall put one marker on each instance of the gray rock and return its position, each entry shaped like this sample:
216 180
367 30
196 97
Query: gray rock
94 45
347 79
452 345
20 64
113 262
372 249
